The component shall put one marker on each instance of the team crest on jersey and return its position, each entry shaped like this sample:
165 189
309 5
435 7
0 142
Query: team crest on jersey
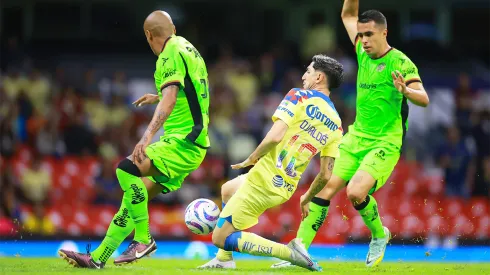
381 67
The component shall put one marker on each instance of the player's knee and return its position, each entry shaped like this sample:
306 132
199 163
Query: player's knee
217 239
227 190
356 196
129 167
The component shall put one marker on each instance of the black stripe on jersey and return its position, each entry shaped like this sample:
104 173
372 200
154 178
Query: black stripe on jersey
413 80
193 101
404 114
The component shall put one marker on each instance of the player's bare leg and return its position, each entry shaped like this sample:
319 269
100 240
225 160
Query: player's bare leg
358 193
224 259
317 215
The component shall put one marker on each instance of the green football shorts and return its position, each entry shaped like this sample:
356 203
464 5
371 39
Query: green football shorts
376 157
175 158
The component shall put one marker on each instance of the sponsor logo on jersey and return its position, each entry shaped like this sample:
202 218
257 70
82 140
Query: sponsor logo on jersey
380 154
313 112
169 73
381 67
368 86
284 109
277 181
164 60
408 71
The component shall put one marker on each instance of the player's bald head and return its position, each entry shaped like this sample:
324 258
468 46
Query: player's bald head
159 24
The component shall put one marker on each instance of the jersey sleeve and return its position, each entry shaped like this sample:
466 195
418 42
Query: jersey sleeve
288 109
409 71
333 144
173 69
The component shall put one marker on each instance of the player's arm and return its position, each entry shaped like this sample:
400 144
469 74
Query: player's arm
321 179
162 112
271 140
283 118
411 89
328 156
350 12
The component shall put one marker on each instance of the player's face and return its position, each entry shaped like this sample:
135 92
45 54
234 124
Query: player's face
372 37
310 77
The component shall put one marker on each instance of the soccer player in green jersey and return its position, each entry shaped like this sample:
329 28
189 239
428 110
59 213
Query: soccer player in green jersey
386 79
181 80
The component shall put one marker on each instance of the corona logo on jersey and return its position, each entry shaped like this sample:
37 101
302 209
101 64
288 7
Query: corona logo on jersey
314 112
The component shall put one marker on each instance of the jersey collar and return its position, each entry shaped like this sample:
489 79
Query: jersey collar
383 55
165 43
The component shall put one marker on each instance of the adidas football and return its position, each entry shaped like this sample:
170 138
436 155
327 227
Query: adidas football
201 216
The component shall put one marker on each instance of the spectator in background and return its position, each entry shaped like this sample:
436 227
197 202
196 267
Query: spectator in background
38 222
244 83
35 182
8 135
13 83
9 204
78 138
69 105
48 140
107 187
90 87
464 102
481 135
35 185
38 91
319 38
118 86
455 157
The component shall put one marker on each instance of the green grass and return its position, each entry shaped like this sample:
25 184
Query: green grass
176 266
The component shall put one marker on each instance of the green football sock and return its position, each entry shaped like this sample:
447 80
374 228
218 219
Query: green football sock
136 200
121 226
369 213
310 225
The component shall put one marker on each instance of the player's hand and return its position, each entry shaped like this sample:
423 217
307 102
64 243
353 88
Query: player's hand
147 99
305 206
139 154
399 82
243 164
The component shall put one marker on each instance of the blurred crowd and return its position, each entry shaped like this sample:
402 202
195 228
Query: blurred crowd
55 115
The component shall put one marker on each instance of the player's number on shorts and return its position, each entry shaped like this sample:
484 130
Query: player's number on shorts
299 151
204 83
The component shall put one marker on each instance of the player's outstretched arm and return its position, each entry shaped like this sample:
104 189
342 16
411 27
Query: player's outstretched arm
350 12
318 184
414 91
162 112
273 137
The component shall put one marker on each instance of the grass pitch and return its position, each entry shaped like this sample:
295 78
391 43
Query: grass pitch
178 266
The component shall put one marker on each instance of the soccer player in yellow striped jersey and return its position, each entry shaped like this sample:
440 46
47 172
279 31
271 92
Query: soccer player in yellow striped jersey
305 124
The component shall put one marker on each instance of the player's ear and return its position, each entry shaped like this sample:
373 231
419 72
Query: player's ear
148 35
385 32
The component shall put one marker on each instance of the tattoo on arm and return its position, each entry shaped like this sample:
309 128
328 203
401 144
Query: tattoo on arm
164 108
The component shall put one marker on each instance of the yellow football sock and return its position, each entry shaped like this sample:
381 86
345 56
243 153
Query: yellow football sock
255 245
224 256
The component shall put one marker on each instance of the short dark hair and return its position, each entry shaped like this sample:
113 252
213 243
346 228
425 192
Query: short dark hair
373 15
331 67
